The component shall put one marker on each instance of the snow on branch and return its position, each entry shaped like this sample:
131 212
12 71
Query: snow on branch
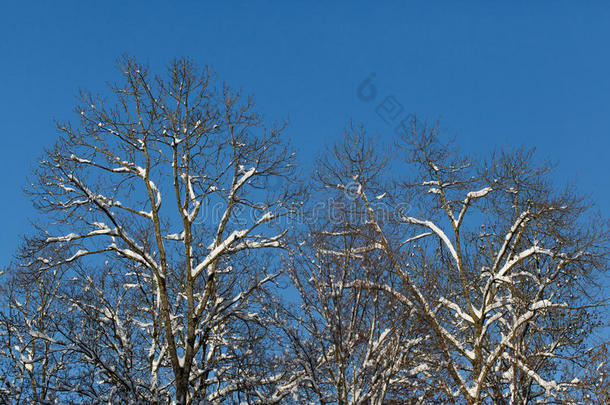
456 308
518 224
72 236
469 197
226 245
430 225
353 252
534 250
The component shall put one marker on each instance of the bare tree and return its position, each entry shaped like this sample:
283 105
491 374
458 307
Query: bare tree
163 194
349 344
500 267
33 369
355 336
155 275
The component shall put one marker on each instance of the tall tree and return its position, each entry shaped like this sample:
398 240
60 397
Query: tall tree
163 192
499 266
356 339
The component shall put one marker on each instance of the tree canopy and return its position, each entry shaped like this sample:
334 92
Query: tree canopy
184 259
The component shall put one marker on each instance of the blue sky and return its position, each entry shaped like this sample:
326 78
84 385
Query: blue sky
518 74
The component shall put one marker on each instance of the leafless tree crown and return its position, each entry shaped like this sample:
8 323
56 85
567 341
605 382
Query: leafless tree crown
177 264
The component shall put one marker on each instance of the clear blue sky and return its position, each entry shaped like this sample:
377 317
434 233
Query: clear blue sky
496 74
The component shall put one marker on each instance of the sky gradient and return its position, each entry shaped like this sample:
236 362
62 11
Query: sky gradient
497 75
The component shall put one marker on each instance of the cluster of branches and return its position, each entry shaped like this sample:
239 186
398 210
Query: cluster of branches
171 265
